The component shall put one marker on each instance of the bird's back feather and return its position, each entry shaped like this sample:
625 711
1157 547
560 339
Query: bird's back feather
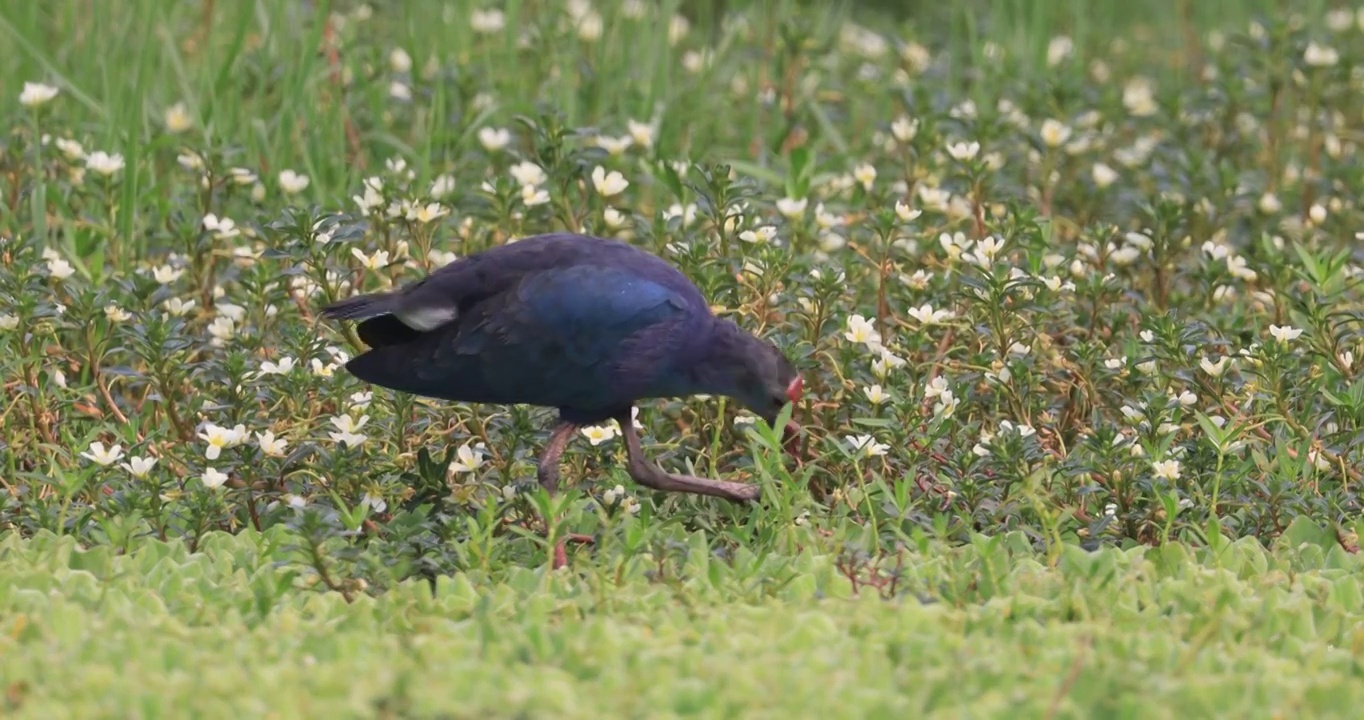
564 321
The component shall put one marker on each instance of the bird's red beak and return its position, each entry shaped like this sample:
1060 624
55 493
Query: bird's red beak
792 430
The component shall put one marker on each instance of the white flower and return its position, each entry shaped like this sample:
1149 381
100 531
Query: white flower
442 186
1317 214
271 445
926 315
494 139
1138 96
946 405
349 429
213 479
285 366
138 467
222 329
177 307
1124 256
1214 369
1269 203
1320 55
904 129
116 313
190 161
760 236
222 228
9 322
399 60
614 146
598 434
104 163
360 400
377 261
642 133
220 438
678 26
963 151
866 445
322 369
865 174
1058 49
1103 175
486 22
70 148
59 268
1167 469
532 196
1285 333
608 184
35 94
688 213
429 212
903 211
177 118
1139 240
614 218
875 394
610 496
886 362
792 207
375 502
1236 265
103 456
528 173
291 182
1054 133
166 274
861 330
467 459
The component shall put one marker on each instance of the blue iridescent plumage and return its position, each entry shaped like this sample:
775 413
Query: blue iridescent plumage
585 325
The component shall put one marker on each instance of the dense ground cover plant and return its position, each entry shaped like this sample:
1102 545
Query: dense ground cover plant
154 630
1053 285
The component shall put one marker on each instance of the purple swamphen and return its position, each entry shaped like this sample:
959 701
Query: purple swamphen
586 325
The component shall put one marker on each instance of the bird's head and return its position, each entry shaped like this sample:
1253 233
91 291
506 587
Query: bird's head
760 376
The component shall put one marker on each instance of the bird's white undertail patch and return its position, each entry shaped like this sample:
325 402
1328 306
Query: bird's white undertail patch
424 318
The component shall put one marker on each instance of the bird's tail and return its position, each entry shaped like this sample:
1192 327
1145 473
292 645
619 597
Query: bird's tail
361 307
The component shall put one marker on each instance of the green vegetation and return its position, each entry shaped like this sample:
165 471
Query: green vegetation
1147 632
1076 297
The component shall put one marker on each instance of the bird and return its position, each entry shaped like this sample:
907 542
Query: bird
584 325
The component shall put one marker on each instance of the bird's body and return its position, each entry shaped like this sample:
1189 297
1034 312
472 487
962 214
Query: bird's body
585 325
582 324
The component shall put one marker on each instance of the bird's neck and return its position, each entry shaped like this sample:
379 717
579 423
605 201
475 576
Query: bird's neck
715 370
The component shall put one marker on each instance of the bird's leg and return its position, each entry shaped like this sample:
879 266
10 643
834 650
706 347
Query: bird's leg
548 474
649 475
548 471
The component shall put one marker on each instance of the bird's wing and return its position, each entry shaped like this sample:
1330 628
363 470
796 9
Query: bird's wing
583 336
445 294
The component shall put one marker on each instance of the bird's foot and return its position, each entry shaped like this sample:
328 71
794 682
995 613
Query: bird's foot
649 476
561 552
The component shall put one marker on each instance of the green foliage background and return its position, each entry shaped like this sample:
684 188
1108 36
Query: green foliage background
1074 286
